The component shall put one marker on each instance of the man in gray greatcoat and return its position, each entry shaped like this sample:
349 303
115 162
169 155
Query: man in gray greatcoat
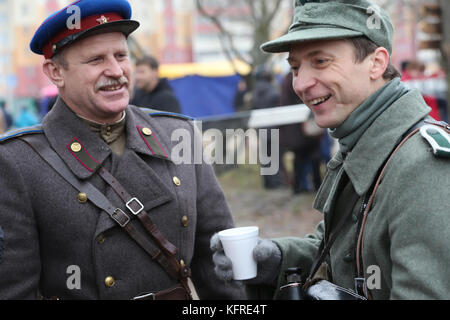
58 242
385 198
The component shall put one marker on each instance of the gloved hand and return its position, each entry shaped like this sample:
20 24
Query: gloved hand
267 256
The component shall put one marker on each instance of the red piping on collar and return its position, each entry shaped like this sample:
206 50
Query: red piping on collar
83 149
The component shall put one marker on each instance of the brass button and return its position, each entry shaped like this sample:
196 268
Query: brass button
54 48
176 181
82 197
101 238
182 264
76 147
147 131
109 281
185 221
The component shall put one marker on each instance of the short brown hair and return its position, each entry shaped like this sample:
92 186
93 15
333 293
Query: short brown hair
60 59
364 47
149 61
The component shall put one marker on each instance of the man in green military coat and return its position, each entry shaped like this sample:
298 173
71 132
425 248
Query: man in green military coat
339 53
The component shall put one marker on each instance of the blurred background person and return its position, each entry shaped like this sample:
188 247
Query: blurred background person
414 76
266 94
305 144
6 119
26 118
241 98
151 91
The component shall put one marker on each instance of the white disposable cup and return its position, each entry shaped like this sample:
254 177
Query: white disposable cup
238 244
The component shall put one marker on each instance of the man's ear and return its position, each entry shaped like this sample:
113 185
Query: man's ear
54 72
380 62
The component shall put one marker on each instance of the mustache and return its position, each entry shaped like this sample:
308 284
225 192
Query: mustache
111 82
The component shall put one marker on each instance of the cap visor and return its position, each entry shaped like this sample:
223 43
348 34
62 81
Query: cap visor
283 43
124 26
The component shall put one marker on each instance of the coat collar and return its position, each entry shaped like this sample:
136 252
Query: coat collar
363 163
375 145
63 127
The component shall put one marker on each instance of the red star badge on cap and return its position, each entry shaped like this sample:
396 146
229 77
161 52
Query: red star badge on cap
103 20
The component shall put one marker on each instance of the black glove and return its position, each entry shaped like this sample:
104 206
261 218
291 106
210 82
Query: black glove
267 256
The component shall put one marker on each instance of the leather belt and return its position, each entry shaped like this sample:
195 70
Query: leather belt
174 293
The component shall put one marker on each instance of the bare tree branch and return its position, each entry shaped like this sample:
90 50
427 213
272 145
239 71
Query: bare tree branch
251 4
274 10
225 37
260 20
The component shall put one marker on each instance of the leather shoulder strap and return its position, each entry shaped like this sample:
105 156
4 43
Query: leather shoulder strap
411 132
348 199
43 149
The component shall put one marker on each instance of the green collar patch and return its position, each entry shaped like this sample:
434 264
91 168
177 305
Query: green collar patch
438 138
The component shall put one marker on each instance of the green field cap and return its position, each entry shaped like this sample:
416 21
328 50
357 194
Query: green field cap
339 19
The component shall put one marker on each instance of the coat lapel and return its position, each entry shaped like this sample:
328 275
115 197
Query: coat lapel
146 136
81 149
142 182
380 139
364 161
63 129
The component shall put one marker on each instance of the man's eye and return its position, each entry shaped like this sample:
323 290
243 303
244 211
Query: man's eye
320 62
95 60
294 69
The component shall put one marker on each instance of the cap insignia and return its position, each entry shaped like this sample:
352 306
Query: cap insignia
102 20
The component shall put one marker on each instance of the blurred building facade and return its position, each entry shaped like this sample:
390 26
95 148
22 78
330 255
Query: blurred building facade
5 56
171 30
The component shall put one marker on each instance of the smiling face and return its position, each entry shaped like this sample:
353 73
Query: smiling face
95 83
329 81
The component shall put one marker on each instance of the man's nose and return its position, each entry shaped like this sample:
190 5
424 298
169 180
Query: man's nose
113 69
304 80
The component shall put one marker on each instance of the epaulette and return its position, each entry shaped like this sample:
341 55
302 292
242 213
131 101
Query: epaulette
20 132
437 135
157 113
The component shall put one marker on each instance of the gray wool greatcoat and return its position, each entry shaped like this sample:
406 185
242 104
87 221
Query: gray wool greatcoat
406 251
47 231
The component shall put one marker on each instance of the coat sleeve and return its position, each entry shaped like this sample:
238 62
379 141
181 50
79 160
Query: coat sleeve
419 220
20 265
295 252
299 252
213 215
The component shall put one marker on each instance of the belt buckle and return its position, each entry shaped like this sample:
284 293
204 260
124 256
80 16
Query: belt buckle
128 204
121 222
146 296
360 286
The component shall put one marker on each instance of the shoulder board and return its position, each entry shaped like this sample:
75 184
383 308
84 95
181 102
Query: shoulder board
20 132
157 113
438 138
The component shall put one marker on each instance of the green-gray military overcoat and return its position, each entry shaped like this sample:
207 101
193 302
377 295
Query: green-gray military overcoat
407 234
47 230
